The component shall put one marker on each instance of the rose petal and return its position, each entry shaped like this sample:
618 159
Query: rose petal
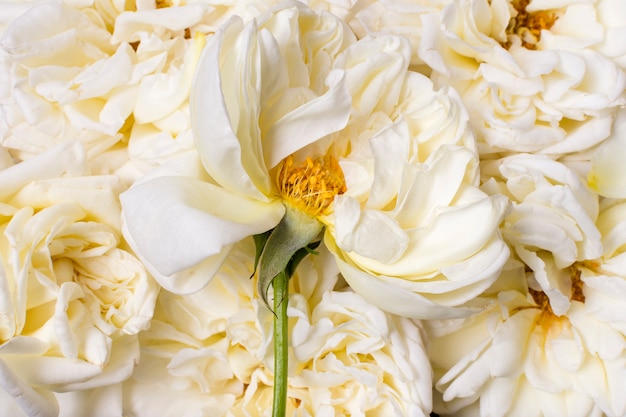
30 401
175 223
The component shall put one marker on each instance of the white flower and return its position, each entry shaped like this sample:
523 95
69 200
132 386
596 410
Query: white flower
551 224
210 352
138 76
599 25
347 356
528 86
72 299
302 98
359 359
383 17
495 363
66 81
533 353
161 130
200 349
519 349
608 171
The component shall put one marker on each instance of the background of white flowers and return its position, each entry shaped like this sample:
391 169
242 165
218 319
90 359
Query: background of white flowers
94 98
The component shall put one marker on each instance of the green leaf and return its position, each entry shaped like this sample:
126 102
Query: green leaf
295 231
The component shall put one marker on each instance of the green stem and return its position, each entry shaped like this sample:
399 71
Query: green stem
281 346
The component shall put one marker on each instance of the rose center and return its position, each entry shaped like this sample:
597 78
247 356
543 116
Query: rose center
311 186
528 25
543 302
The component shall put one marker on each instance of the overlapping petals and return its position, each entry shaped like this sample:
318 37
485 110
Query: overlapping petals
73 299
210 352
65 80
552 222
539 91
405 150
519 349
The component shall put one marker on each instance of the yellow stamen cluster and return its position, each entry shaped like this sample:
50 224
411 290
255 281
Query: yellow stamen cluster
312 185
528 26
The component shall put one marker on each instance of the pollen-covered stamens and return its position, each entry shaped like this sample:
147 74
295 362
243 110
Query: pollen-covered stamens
543 302
577 285
528 25
312 185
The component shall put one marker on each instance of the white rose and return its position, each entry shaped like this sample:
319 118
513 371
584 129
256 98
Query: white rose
73 300
551 224
599 25
492 363
200 349
525 91
210 352
353 113
53 97
347 357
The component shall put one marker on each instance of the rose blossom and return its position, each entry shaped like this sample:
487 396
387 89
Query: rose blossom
530 79
520 357
320 103
349 357
73 299
551 224
210 352
200 349
160 130
173 35
66 81
128 68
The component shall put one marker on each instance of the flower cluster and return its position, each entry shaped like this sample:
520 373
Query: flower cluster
458 166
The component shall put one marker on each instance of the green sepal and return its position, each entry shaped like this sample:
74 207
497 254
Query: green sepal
293 234
299 256
259 244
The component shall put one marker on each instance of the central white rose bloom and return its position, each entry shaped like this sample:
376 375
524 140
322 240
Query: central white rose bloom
528 71
210 352
291 110
72 299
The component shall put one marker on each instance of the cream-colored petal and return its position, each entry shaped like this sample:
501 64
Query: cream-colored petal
608 170
309 122
176 223
31 402
216 115
394 298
